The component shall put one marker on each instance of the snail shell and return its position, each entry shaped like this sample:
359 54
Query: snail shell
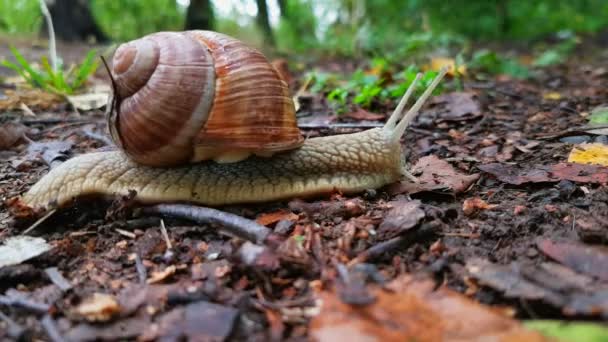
183 97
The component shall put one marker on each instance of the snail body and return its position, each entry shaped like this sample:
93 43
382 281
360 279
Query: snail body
277 165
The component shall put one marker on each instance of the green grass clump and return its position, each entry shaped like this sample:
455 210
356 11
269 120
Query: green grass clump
368 89
59 81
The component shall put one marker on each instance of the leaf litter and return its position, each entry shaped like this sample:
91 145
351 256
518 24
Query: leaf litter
349 248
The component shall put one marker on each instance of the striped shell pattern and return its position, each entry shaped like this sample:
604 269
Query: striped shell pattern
184 97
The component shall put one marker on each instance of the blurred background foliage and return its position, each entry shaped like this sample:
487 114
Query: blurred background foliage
390 40
340 27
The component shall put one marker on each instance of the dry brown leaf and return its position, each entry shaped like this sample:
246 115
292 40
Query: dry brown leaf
512 174
403 216
457 106
362 114
10 134
436 173
414 310
33 98
199 321
579 257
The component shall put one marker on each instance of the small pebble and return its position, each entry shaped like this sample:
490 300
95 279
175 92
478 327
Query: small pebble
577 139
284 227
602 139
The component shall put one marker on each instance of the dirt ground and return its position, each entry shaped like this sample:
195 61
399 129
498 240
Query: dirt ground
521 230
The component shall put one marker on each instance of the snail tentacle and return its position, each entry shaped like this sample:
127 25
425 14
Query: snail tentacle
397 131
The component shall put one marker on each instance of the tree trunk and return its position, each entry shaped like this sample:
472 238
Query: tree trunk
283 8
264 23
73 21
200 15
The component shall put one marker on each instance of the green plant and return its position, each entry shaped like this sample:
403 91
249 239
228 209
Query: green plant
599 116
489 61
367 89
558 53
59 81
19 16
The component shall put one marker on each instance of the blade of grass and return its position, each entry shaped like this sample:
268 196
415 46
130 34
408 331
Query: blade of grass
35 75
87 67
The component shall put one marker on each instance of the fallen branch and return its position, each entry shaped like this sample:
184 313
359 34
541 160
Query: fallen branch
14 330
231 223
570 131
50 327
142 274
58 279
26 304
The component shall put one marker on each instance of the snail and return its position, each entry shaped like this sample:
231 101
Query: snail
200 117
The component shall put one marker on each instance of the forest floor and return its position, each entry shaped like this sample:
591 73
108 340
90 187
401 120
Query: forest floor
500 230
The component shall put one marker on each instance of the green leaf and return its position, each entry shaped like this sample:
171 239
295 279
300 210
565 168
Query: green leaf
570 331
87 68
36 78
599 116
56 81
549 57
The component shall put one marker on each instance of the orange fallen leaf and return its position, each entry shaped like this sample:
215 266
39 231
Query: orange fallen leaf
439 62
276 216
415 311
473 205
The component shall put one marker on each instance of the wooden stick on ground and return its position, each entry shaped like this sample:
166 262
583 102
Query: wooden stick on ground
233 224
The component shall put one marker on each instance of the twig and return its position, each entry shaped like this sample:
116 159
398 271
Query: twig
14 331
234 224
51 121
99 137
125 233
163 230
389 245
52 45
48 323
570 131
142 274
58 279
24 304
38 222
144 222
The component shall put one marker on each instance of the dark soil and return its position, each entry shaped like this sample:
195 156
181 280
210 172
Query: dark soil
515 118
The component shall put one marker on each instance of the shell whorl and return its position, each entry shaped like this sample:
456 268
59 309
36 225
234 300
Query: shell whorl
157 122
188 96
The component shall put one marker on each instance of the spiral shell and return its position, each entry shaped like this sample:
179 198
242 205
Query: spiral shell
183 97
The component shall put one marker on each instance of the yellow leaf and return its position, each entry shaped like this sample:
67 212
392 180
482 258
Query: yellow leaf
439 62
589 154
552 96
